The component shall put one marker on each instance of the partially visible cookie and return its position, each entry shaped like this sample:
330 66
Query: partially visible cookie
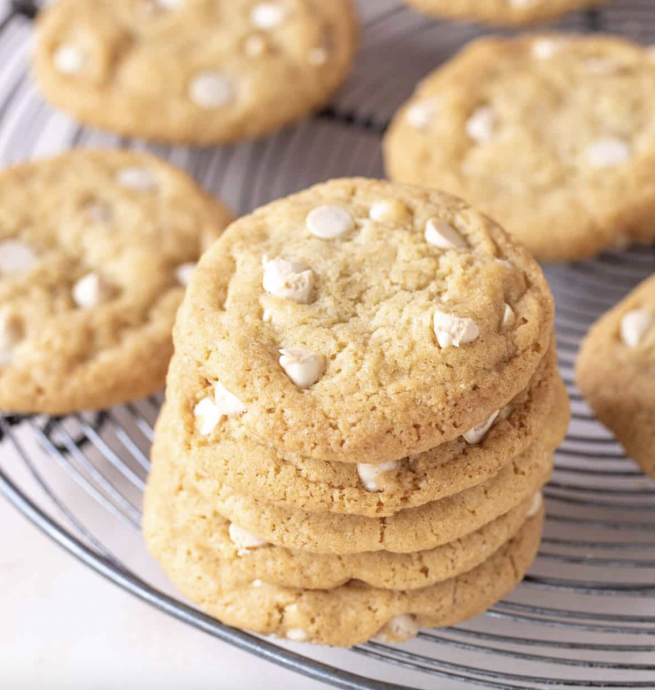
616 373
230 457
96 247
172 505
363 321
552 135
349 614
414 529
503 12
196 71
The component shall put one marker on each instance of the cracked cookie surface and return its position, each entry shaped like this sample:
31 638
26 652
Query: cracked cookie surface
552 135
94 245
194 71
363 321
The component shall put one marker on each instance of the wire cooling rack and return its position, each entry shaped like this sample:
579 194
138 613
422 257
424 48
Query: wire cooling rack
585 615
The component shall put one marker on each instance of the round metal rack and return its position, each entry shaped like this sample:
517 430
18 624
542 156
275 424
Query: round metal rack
585 615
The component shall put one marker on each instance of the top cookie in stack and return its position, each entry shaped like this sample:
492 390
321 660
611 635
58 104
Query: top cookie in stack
362 321
361 412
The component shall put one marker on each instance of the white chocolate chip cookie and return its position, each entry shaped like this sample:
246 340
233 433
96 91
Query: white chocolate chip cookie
90 248
501 12
552 135
199 72
351 337
616 373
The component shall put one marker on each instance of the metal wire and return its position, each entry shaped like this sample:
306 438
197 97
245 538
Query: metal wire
585 615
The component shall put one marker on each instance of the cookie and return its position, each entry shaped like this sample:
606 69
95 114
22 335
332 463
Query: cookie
362 321
552 135
194 71
414 529
194 518
616 373
346 615
502 12
232 458
95 250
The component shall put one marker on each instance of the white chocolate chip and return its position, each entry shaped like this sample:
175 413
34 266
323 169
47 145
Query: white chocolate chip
11 333
634 326
421 114
257 583
399 629
69 59
505 263
453 330
268 15
183 272
388 210
99 212
546 48
15 257
303 367
255 46
244 540
481 126
535 506
211 90
288 280
92 291
297 635
169 4
328 222
137 178
369 473
523 3
443 235
227 402
477 433
509 317
209 412
318 56
608 153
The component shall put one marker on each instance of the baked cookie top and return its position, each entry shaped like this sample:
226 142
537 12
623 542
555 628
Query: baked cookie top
95 249
196 71
346 615
616 373
552 135
503 12
364 321
230 457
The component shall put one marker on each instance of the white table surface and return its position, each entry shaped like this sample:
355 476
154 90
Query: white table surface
62 627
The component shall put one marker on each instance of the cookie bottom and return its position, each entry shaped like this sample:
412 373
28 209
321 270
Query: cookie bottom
355 612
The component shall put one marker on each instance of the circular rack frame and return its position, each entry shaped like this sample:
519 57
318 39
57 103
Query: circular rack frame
584 616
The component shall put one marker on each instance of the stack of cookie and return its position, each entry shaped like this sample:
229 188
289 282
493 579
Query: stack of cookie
361 412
